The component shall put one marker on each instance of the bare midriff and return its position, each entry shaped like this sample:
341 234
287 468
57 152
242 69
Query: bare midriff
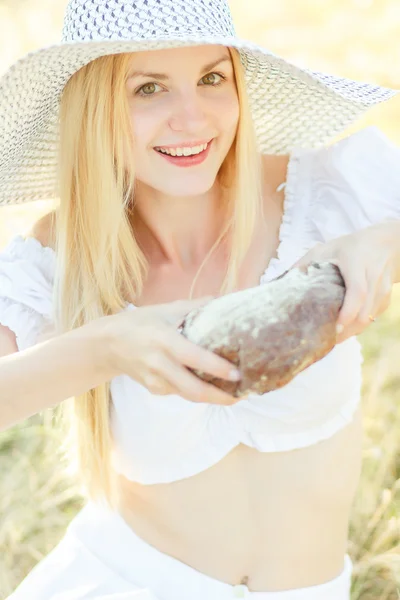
274 520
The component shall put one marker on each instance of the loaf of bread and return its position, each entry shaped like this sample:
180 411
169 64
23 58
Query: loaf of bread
273 331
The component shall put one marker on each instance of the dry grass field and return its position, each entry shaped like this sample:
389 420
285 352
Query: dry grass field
38 492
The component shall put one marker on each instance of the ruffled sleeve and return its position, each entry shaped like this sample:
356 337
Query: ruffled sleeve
26 289
355 184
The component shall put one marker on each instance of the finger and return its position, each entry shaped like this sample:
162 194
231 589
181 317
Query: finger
353 329
194 356
378 297
369 308
356 292
348 332
179 309
386 292
307 258
190 386
158 384
387 283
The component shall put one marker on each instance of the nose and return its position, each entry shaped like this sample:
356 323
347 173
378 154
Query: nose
188 114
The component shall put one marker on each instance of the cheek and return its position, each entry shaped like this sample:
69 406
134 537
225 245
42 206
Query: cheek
146 122
228 112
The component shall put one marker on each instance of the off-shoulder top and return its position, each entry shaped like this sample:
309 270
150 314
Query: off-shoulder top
330 192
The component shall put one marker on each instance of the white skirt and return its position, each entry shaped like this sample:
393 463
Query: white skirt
100 557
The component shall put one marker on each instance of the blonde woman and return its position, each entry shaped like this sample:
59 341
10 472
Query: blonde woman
188 164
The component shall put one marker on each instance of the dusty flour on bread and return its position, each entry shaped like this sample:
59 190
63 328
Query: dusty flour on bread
273 331
251 309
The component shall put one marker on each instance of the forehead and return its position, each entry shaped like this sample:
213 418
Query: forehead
195 56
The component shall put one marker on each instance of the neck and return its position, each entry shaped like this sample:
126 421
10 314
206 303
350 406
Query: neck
177 232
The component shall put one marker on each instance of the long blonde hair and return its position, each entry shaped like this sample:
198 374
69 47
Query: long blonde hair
99 262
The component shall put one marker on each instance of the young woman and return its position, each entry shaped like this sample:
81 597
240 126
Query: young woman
188 164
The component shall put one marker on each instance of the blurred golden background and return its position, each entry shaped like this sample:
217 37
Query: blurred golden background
359 39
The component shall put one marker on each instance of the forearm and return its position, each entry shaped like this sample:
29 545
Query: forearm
52 371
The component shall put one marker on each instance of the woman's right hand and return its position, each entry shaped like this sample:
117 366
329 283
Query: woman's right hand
145 344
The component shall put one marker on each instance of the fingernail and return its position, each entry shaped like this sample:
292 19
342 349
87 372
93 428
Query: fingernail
339 328
235 375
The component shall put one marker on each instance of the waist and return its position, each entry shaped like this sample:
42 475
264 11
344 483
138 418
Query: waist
273 520
103 534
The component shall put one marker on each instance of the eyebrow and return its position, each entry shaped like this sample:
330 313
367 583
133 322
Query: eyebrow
163 76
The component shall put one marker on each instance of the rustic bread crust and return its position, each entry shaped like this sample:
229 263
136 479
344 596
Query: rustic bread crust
270 332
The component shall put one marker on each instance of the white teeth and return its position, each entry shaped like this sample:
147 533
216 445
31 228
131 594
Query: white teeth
183 151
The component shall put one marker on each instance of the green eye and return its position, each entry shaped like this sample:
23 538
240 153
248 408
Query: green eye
211 79
151 88
148 89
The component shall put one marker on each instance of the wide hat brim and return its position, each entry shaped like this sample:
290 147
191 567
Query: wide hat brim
291 106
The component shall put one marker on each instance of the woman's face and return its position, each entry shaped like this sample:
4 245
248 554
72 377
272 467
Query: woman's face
181 100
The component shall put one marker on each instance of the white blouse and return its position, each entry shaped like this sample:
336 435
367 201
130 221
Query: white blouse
330 192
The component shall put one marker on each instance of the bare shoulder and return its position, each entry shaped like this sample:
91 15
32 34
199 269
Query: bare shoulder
44 229
274 172
274 168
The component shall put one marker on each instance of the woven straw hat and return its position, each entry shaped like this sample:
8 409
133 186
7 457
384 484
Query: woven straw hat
291 106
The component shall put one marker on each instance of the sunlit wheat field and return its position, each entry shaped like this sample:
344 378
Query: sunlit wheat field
39 493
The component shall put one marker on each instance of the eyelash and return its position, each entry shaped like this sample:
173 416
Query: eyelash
139 93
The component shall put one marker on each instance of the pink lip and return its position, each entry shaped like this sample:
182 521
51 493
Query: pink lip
187 161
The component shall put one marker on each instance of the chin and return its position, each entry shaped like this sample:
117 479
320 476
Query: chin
184 192
185 189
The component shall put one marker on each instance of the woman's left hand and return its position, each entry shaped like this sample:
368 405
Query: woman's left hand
367 263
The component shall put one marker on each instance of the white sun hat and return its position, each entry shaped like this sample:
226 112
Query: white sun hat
291 106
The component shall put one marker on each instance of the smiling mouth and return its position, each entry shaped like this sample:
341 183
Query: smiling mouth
183 152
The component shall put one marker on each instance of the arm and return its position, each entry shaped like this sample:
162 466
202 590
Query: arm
369 261
52 371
